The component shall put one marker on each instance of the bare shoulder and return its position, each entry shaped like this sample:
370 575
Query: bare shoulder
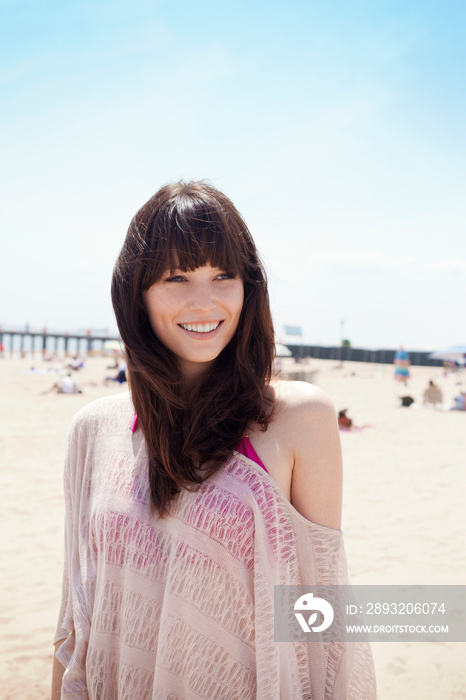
306 423
301 396
301 406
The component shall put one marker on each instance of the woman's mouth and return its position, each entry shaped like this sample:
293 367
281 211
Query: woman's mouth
200 327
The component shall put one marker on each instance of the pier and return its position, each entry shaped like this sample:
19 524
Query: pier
26 340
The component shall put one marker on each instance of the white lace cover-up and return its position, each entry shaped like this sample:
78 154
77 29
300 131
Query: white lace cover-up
182 608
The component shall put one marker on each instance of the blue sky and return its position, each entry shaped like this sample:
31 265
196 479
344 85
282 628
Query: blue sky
338 129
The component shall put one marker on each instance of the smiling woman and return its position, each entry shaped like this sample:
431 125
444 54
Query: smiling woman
195 314
189 499
189 258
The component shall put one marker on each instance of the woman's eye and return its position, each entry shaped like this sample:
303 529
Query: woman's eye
227 276
175 278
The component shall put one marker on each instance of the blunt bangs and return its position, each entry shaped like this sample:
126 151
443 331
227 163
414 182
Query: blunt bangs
191 231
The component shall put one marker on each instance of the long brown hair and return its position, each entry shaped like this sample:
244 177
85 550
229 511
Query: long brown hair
191 431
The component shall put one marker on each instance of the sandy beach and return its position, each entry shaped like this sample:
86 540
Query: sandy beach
404 514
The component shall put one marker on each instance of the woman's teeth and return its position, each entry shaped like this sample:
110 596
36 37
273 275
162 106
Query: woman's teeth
200 327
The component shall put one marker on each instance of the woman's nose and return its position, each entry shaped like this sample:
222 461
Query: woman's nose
202 297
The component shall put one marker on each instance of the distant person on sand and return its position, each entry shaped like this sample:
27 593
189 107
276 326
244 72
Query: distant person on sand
176 529
346 423
402 365
65 385
433 394
120 376
76 363
460 402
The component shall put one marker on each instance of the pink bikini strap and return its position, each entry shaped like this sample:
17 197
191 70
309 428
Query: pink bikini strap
245 448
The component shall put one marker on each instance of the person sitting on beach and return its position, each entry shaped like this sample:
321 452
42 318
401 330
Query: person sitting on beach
120 376
192 497
432 395
76 363
65 385
460 402
344 423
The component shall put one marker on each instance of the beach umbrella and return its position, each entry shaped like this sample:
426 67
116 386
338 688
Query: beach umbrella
282 351
457 353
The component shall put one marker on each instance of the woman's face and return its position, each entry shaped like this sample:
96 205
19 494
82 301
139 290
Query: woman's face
195 313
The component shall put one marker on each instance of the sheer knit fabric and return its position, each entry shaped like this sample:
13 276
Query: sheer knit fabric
182 608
